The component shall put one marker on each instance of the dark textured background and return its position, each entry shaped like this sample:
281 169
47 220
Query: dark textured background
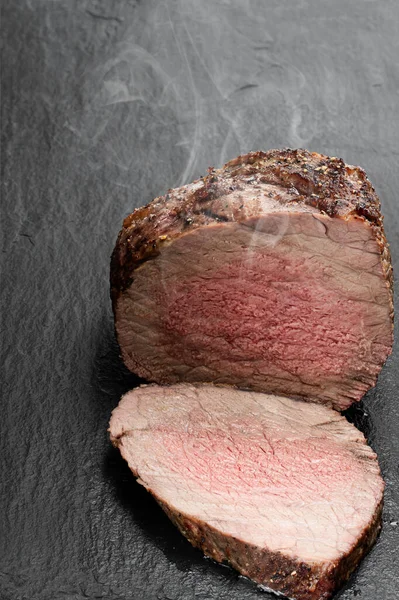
106 104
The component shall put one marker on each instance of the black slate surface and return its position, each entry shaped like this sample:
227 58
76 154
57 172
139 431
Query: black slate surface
106 104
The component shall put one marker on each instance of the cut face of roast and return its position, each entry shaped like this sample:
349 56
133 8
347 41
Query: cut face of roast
286 491
257 288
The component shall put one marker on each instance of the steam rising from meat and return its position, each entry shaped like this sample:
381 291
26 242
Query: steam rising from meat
168 83
189 85
182 85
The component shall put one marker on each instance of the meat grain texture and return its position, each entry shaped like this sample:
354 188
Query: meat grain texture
272 274
286 491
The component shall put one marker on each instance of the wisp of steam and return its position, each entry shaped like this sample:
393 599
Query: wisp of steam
197 105
167 103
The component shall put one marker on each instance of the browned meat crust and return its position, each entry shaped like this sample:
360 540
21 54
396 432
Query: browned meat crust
298 180
292 578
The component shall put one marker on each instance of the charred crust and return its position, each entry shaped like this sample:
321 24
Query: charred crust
324 183
289 576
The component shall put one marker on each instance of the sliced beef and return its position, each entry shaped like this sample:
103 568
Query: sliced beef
272 274
286 491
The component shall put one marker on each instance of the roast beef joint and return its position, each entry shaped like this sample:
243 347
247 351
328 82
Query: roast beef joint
271 274
258 299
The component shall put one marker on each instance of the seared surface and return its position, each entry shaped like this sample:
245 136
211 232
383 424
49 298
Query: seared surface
293 179
288 492
272 274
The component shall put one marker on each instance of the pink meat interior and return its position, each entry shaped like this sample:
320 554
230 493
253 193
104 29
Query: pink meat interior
276 310
294 304
298 469
291 476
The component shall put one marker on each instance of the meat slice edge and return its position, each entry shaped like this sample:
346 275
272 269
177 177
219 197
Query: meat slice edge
222 463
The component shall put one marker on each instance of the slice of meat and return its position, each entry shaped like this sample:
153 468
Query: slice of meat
272 274
286 491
